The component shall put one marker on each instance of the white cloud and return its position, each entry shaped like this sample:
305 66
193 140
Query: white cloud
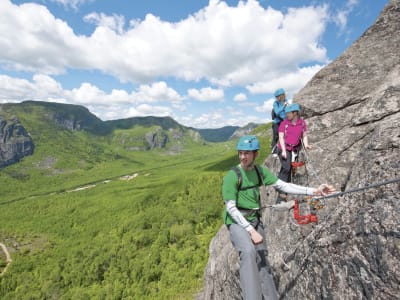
206 94
266 107
157 91
291 82
116 104
340 18
115 22
146 110
240 97
223 44
113 112
17 89
206 120
72 3
122 111
33 40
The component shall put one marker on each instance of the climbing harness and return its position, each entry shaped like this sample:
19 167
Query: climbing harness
274 149
296 163
316 203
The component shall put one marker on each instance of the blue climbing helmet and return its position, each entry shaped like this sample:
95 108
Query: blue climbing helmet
292 107
279 92
248 143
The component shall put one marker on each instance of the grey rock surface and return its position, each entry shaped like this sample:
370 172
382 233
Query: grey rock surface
156 139
15 141
352 108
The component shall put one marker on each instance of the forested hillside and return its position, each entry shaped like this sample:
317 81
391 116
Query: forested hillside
218 135
86 217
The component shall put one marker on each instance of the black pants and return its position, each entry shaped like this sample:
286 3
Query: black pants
275 136
286 166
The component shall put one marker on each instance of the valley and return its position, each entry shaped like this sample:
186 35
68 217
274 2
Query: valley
109 213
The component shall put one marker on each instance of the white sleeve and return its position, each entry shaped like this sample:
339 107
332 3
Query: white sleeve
237 216
291 188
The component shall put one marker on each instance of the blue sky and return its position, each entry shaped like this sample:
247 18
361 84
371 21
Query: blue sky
207 64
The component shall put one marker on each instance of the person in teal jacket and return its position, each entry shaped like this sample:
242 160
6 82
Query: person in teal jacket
278 115
242 217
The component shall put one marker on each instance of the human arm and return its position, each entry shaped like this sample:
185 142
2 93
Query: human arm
291 188
305 141
282 143
237 216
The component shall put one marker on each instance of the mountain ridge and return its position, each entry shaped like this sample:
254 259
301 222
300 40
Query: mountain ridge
34 118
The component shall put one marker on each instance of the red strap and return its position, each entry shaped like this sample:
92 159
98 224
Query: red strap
296 164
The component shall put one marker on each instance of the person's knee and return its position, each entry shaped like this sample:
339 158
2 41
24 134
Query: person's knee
248 252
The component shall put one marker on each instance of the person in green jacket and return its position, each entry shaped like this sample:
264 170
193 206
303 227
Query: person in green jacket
242 217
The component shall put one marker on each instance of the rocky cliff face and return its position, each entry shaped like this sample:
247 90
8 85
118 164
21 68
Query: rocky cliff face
156 139
352 108
243 130
15 142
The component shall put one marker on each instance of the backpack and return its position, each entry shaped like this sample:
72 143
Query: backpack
273 115
239 175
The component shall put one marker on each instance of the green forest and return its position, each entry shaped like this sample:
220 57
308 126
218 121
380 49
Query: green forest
83 218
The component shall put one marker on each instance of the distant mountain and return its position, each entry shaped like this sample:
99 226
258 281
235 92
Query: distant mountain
228 132
219 134
47 122
52 128
165 123
69 116
248 129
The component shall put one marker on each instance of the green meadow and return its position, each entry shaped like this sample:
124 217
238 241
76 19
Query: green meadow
83 218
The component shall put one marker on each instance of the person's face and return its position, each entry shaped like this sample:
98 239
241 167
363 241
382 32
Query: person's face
281 97
247 158
290 115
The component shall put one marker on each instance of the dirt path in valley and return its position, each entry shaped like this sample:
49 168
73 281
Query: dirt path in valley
8 257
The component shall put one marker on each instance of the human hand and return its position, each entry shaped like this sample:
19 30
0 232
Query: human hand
324 189
256 237
308 147
284 154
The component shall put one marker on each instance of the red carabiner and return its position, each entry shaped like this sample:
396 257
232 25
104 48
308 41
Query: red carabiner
305 219
296 164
